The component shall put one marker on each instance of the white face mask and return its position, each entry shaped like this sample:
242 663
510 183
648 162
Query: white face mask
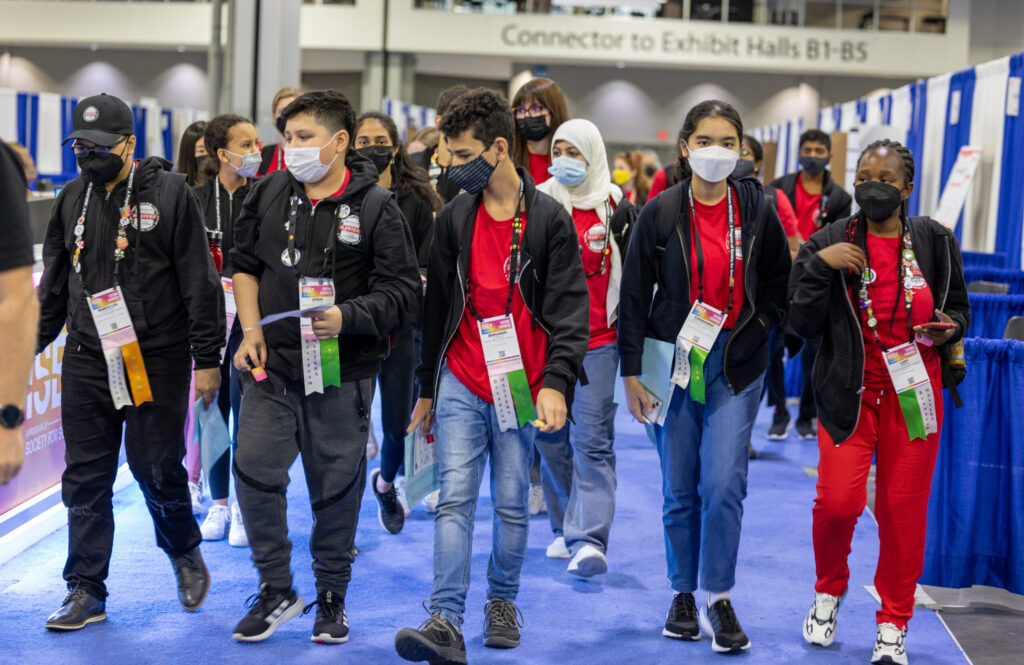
713 163
250 163
305 164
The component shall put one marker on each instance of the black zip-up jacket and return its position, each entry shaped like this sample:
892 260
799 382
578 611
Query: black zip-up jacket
835 202
551 282
376 282
230 209
820 304
167 277
659 253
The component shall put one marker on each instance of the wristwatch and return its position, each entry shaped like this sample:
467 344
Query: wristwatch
11 416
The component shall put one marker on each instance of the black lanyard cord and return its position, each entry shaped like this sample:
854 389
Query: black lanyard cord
730 238
515 250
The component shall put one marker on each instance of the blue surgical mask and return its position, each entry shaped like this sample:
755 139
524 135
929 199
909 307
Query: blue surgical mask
472 176
567 171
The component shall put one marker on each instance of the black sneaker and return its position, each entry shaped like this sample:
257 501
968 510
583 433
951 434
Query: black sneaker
77 611
389 509
502 621
331 625
193 578
720 620
267 610
681 622
436 641
806 430
780 426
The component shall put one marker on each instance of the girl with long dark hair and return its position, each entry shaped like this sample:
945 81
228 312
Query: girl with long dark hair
377 140
539 108
717 254
192 153
886 293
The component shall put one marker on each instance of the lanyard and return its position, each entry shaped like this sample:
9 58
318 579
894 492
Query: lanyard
120 244
293 254
907 260
215 235
607 241
515 250
732 225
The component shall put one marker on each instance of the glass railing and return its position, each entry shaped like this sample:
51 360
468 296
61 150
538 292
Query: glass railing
872 15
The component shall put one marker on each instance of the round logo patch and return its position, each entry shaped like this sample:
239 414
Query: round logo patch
348 230
91 114
595 238
291 260
145 217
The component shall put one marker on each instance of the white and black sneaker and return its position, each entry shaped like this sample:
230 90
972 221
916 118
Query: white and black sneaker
390 513
779 430
719 620
890 645
820 625
681 622
267 610
331 625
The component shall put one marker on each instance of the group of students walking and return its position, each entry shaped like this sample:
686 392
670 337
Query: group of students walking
512 278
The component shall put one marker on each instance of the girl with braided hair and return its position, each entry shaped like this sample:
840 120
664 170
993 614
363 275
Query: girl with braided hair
886 292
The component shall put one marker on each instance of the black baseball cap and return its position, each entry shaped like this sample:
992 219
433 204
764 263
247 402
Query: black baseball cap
102 119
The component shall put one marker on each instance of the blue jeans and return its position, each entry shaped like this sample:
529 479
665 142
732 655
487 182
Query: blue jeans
578 470
703 450
466 429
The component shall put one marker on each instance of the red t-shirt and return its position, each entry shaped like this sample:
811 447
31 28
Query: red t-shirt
489 264
887 296
658 185
591 233
539 168
344 184
807 209
786 214
712 224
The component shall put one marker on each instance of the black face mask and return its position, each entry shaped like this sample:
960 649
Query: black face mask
744 168
380 155
650 171
100 169
813 165
533 129
877 200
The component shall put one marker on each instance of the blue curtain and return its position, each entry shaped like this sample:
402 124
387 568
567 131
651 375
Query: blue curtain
976 510
168 134
1011 203
915 135
985 259
1015 278
990 312
139 115
958 135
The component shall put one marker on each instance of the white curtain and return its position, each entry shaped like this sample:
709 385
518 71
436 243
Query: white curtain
902 108
988 115
929 163
781 167
874 115
849 119
8 115
48 134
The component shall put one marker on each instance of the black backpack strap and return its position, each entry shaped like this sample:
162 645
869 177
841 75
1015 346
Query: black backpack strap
670 202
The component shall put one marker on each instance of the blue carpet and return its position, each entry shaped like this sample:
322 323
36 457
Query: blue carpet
616 618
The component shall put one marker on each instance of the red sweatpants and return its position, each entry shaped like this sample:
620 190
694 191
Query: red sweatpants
903 482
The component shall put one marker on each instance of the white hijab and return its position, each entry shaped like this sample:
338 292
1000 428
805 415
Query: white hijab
591 193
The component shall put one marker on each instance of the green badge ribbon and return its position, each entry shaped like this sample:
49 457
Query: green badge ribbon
330 362
697 387
912 414
521 397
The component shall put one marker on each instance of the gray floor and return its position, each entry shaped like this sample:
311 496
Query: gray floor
988 636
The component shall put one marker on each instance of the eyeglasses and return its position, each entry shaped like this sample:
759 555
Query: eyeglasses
534 111
82 150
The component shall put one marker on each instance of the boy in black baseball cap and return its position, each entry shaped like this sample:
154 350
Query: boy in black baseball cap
128 269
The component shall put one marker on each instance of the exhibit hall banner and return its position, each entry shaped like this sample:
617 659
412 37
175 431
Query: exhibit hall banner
44 437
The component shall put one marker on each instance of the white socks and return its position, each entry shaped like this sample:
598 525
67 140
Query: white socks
715 597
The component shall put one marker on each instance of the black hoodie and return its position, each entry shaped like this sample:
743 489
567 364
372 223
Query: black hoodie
377 282
659 254
168 278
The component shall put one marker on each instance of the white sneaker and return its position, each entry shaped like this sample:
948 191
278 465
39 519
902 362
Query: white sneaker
589 561
890 645
821 622
537 505
236 535
215 526
372 447
557 549
430 501
402 500
195 491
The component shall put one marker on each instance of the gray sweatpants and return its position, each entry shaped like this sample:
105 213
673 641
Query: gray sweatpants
277 423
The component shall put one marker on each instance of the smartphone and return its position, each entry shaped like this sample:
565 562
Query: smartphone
652 414
939 325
